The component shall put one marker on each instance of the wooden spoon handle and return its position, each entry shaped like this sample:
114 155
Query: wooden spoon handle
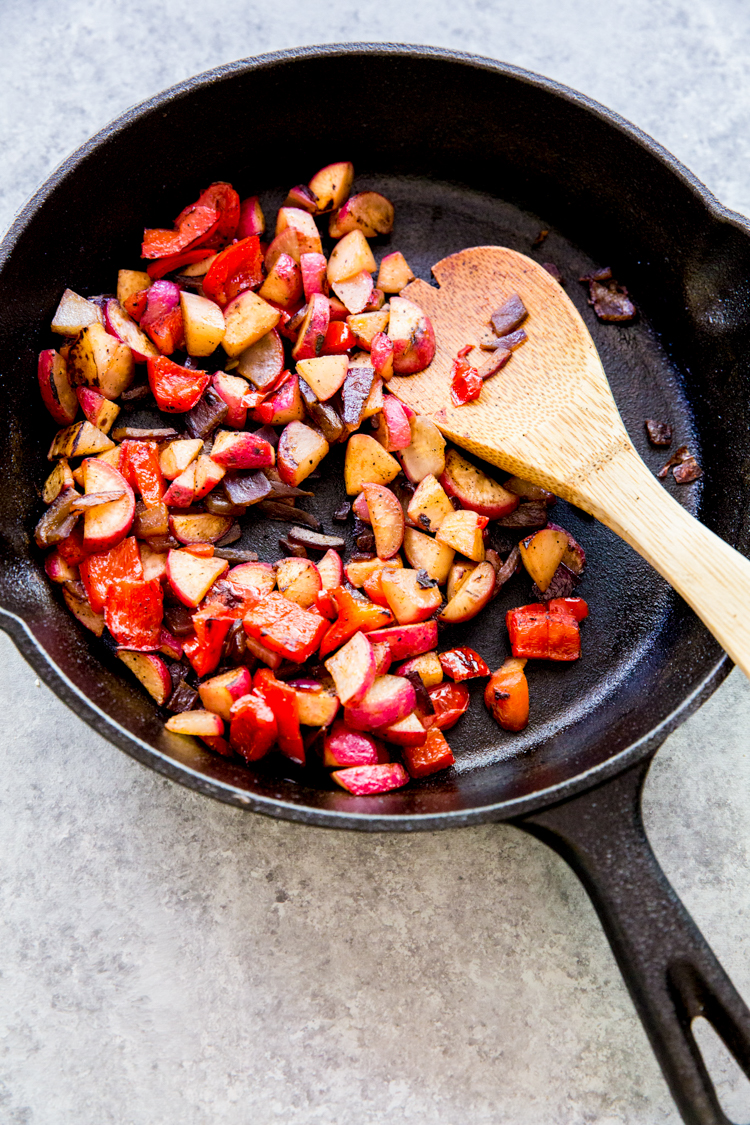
710 575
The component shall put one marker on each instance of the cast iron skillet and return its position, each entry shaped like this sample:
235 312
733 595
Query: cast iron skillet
472 152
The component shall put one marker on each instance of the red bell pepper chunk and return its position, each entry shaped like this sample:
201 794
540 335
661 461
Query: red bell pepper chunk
139 464
163 266
507 695
134 612
354 615
463 664
282 700
339 339
98 572
434 754
217 743
167 331
226 203
466 384
211 221
547 632
71 547
176 389
450 701
252 729
285 628
136 304
200 550
211 627
236 269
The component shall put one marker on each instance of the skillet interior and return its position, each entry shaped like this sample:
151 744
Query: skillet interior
470 153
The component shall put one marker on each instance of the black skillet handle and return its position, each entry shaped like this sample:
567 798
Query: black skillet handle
670 970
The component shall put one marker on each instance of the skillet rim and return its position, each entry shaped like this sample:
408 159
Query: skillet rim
55 677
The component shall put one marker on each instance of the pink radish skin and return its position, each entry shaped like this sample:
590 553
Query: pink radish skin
313 268
353 669
407 640
389 699
364 781
220 692
360 509
331 570
105 525
344 747
252 578
151 671
57 392
201 724
119 324
398 428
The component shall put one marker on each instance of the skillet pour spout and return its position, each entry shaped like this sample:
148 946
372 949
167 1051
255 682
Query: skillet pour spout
472 152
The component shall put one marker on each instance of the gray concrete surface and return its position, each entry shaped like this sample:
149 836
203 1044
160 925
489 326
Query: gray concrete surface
166 959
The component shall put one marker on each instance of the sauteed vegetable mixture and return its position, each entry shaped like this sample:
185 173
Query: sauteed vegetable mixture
261 351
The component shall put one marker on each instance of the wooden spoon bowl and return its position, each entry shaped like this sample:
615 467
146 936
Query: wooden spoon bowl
549 416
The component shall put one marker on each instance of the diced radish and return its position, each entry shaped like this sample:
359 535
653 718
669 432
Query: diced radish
364 781
191 578
303 225
316 708
300 451
203 323
472 595
199 528
387 519
425 553
325 374
78 604
176 456
350 256
407 640
126 330
75 313
57 393
406 732
366 462
299 581
201 724
344 747
367 211
427 666
58 570
263 361
248 318
242 451
426 453
331 570
394 273
389 699
409 599
151 671
313 268
413 337
220 692
381 354
463 532
251 218
105 525
312 331
99 411
99 360
542 553
429 505
252 578
352 669
332 185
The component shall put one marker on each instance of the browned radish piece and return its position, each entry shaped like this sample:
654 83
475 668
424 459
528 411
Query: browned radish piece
301 449
57 393
381 352
299 581
325 374
352 669
285 405
358 571
365 781
312 331
350 256
283 285
181 492
332 185
367 325
284 243
354 292
247 319
301 196
99 411
207 476
263 361
411 596
542 553
130 282
463 531
220 692
241 451
58 570
154 563
60 478
387 519
201 724
413 337
303 225
393 430
105 525
313 268
508 316
191 578
331 570
99 360
427 666
252 220
78 604
257 578
75 313
204 324
199 528
389 699
425 553
474 489
426 453
151 671
472 595
368 211
316 707
407 640
394 273
429 505
344 747
232 390
528 491
374 401
406 732
125 329
383 658
367 462
575 556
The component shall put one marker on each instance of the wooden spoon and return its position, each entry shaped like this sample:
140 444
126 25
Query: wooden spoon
549 416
